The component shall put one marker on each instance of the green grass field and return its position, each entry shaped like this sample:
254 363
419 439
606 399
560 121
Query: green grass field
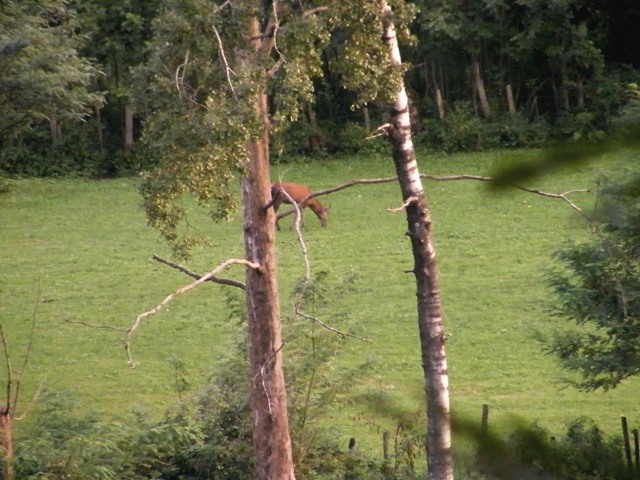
76 252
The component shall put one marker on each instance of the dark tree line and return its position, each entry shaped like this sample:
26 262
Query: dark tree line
483 74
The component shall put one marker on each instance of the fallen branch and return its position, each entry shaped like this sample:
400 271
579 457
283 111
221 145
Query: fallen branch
140 318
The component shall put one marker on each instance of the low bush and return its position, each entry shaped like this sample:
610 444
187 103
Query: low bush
76 153
582 452
301 139
463 130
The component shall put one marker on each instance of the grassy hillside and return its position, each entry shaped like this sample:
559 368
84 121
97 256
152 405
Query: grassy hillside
76 253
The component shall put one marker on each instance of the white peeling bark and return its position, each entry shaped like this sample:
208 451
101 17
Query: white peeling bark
430 323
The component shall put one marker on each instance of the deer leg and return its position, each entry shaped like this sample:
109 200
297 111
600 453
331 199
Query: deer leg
276 206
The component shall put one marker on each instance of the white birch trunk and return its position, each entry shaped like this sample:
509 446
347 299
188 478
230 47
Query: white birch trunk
430 323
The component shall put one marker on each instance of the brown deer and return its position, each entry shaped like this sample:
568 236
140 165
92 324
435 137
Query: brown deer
281 191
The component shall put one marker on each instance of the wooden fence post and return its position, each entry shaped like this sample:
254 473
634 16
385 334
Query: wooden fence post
627 445
636 449
484 426
385 445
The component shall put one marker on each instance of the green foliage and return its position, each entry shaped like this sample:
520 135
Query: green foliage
599 289
41 75
199 97
528 451
76 153
301 139
64 443
170 57
630 114
68 442
362 59
463 130
583 452
210 437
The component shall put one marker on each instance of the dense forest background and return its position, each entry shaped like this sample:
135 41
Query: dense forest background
481 74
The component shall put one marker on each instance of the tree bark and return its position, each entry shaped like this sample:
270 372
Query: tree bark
54 128
440 103
511 106
128 127
6 442
478 83
271 439
430 323
98 117
367 118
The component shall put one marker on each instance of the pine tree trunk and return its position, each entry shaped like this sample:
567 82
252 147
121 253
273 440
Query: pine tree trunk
271 440
430 324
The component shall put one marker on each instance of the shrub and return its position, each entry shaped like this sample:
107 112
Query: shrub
76 153
583 452
301 139
463 130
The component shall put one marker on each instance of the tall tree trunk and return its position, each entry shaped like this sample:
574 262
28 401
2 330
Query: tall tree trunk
128 127
478 84
98 117
511 106
6 442
54 128
580 94
367 118
438 90
271 440
440 104
430 324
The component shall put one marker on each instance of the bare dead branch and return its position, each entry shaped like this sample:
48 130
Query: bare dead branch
307 273
313 11
222 5
181 71
327 326
33 402
404 206
140 318
303 246
373 181
228 69
262 368
276 27
448 178
27 354
91 325
7 360
192 274
276 67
